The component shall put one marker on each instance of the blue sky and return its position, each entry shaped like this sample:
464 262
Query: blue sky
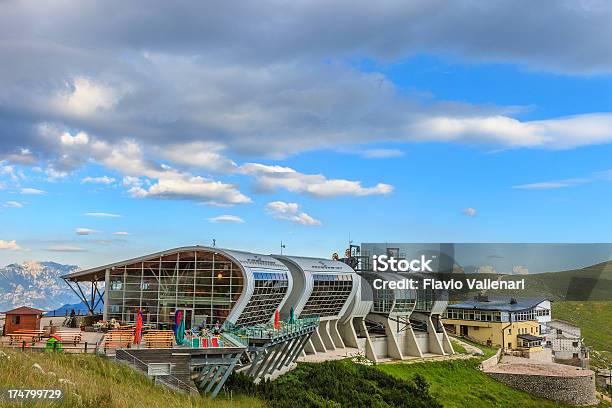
306 129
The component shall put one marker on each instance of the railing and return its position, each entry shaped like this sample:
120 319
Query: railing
168 380
267 331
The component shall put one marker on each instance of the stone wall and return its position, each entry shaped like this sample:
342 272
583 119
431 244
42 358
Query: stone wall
568 390
491 361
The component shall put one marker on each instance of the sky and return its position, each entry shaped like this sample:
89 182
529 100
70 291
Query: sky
129 128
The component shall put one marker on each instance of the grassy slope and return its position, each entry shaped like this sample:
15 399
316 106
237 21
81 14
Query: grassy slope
459 384
99 382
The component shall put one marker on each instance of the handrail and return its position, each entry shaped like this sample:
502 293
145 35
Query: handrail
144 367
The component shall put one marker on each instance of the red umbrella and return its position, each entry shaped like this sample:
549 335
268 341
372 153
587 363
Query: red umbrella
277 320
138 330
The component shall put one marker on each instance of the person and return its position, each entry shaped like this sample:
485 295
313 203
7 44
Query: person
73 318
216 328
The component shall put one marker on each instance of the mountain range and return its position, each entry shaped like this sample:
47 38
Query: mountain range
35 284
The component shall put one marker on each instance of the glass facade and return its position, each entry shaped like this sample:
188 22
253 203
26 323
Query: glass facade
329 294
270 288
204 284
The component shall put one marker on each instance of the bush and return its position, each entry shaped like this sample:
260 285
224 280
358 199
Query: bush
337 384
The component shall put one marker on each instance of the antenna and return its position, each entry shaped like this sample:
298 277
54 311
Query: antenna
282 246
214 242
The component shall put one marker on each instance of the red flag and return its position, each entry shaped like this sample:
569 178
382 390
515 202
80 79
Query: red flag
138 330
277 324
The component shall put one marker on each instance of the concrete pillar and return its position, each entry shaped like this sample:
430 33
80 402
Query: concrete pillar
435 345
370 353
393 347
411 346
335 335
323 330
317 341
347 333
447 345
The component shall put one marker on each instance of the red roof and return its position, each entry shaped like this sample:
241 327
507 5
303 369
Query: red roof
24 310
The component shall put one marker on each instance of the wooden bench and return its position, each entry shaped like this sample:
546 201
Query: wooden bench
70 337
158 339
30 338
118 339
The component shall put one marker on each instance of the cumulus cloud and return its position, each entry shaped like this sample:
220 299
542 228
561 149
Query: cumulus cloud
9 245
470 212
102 215
85 231
290 212
485 269
520 270
269 178
98 180
32 191
227 218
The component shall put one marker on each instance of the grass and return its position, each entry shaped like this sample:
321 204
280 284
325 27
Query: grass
595 320
99 382
459 384
458 347
488 351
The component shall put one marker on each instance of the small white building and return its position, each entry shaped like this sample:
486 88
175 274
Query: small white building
565 341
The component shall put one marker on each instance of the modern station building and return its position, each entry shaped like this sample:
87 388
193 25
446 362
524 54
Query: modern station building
242 289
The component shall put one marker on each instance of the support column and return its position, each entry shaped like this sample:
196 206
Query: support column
447 345
348 334
106 294
411 345
370 352
435 345
393 347
298 350
335 335
324 333
317 341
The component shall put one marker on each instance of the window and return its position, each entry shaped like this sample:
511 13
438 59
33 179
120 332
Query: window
509 345
16 319
575 355
549 343
509 331
575 344
559 331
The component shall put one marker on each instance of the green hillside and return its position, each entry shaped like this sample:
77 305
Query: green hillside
459 384
99 382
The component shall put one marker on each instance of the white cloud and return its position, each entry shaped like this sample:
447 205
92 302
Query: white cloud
270 178
121 233
80 139
9 245
102 215
13 204
199 155
550 185
520 270
85 96
33 191
85 231
382 153
98 180
227 218
65 248
290 212
470 212
486 269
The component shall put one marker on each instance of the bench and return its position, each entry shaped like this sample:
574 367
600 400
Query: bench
70 337
158 339
21 337
118 339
